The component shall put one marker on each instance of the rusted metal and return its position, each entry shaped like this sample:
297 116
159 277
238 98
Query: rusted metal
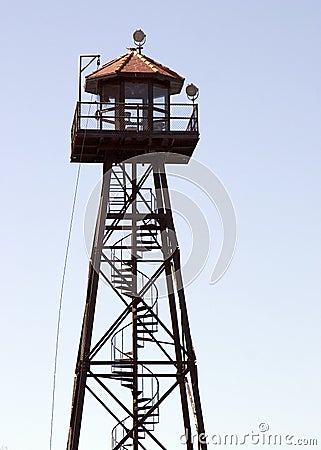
98 129
134 246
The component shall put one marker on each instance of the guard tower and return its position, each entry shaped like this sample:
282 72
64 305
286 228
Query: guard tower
142 359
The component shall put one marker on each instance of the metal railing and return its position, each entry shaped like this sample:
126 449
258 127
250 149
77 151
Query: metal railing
156 117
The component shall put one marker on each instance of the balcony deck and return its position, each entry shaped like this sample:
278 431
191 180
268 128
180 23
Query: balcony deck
127 130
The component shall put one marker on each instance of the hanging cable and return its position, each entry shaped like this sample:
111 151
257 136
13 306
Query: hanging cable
60 306
53 399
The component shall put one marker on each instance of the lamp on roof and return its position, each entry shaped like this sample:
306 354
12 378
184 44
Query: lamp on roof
192 92
139 38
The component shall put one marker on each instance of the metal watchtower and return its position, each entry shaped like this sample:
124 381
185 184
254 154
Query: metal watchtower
144 353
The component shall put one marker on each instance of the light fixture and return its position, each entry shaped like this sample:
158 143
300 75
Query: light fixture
139 38
192 91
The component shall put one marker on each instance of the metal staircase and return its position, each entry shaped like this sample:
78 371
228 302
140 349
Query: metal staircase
147 393
128 281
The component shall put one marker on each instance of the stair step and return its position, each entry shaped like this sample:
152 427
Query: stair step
121 277
149 226
122 271
144 408
145 339
153 414
120 366
143 399
146 331
146 241
129 385
120 372
142 308
149 422
125 287
126 271
150 233
123 264
147 323
147 246
125 283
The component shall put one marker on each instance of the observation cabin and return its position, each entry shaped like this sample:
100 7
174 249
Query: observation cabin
134 113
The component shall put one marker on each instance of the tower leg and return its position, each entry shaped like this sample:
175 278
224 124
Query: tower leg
163 204
82 364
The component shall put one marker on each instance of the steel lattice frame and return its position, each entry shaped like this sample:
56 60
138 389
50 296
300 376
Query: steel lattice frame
135 252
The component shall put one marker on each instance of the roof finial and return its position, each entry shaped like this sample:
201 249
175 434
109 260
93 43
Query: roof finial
139 39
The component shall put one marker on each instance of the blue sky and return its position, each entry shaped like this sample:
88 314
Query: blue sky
257 331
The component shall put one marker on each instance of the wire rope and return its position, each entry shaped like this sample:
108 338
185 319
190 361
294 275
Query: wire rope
60 306
53 398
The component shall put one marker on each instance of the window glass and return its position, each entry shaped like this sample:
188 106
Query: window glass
160 94
136 92
107 114
136 106
160 119
109 94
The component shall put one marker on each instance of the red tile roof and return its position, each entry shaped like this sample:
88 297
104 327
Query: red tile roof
134 62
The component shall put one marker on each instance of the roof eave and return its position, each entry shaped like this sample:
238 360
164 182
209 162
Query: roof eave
92 83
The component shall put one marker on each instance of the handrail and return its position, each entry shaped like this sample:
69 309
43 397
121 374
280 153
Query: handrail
156 117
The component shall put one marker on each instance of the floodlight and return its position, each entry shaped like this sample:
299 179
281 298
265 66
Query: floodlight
192 91
139 37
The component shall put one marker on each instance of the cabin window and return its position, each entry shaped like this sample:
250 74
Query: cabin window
160 108
136 106
109 94
108 107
